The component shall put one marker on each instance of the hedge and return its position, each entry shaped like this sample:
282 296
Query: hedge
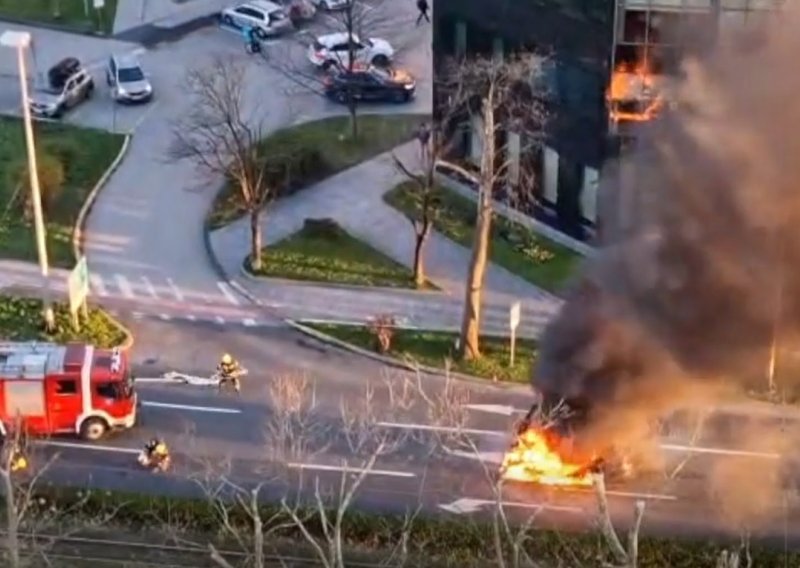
461 541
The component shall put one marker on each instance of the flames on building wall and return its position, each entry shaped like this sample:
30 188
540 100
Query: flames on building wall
632 94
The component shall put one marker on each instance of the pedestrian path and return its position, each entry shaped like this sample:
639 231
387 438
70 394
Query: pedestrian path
354 198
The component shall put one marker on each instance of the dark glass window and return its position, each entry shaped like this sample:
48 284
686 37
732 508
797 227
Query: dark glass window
66 387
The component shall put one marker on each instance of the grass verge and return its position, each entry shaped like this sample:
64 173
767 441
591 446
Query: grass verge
71 160
70 14
302 155
433 348
21 320
433 540
324 252
531 256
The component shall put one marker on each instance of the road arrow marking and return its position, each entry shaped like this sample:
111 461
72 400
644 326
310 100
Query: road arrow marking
466 505
191 407
505 410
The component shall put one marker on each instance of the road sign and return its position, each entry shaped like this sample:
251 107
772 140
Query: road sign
100 4
514 315
78 285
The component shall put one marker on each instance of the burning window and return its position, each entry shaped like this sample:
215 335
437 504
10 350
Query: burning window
633 94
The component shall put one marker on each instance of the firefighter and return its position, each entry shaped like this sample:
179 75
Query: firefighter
18 460
157 453
229 370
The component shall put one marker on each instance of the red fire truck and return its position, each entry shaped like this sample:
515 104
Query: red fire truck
58 389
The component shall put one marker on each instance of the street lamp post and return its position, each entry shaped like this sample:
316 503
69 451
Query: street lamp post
20 41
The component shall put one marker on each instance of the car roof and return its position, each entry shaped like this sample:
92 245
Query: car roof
334 38
126 60
261 5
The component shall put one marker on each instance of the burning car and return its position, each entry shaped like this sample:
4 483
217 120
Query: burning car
548 448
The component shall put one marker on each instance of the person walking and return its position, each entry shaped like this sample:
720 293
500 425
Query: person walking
422 6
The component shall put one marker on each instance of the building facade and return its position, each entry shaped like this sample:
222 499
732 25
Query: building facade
607 63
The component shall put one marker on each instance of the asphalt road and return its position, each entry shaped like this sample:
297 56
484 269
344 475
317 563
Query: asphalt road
250 439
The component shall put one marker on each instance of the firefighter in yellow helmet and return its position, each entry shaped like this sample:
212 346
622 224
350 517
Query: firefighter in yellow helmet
229 371
157 454
18 460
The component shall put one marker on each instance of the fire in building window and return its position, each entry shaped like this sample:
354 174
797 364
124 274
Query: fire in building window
633 94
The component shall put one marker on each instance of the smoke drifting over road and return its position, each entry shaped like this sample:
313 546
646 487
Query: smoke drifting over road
684 297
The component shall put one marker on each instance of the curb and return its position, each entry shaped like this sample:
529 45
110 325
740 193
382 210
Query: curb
398 363
78 232
88 204
337 286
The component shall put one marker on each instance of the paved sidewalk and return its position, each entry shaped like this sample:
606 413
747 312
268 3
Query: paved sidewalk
354 199
163 13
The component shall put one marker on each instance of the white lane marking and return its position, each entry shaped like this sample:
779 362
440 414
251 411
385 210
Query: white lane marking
347 469
447 429
220 320
124 286
210 409
148 286
496 409
228 293
94 447
175 290
720 451
494 458
98 285
468 505
249 322
634 495
165 317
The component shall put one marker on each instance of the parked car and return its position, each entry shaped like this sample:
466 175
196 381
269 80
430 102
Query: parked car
330 5
127 80
331 50
266 18
68 84
370 84
300 10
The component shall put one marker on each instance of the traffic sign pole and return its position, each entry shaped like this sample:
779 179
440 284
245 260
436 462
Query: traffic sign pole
514 315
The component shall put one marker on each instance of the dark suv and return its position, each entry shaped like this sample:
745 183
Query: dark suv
68 84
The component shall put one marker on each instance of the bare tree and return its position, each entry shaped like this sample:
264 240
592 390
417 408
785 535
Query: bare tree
625 556
221 137
293 430
503 96
422 190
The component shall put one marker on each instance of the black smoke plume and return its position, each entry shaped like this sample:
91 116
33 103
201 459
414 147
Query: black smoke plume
704 250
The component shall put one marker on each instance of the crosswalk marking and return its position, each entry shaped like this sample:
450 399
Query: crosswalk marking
124 286
149 287
226 291
98 285
175 290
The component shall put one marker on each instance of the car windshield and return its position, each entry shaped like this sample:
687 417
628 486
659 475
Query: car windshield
130 75
277 16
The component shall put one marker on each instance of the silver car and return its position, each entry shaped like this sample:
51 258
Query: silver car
127 80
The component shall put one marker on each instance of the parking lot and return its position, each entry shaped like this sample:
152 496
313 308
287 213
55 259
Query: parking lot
281 79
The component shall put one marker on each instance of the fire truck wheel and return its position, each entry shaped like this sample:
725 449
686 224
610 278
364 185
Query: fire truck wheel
93 429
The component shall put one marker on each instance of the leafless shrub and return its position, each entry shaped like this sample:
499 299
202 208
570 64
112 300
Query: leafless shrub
362 430
624 556
293 430
382 327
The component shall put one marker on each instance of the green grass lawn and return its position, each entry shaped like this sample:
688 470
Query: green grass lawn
83 154
72 13
21 320
533 257
433 348
302 155
324 252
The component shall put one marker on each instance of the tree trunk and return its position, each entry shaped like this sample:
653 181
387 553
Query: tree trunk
255 239
12 519
419 257
471 322
352 109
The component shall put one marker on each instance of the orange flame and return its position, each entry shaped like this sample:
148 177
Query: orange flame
633 84
535 458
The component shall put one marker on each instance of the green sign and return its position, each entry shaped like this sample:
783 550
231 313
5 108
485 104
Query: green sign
78 284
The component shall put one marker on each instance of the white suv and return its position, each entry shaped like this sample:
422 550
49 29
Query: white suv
266 18
331 50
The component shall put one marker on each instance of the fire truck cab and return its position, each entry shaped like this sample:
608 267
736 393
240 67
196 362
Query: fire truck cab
47 389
